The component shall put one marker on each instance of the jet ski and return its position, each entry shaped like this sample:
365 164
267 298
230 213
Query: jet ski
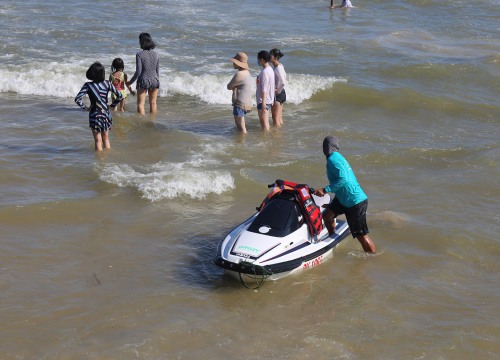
285 235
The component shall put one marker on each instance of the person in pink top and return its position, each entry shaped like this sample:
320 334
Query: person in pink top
265 89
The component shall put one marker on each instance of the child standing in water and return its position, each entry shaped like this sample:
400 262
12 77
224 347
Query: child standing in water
119 79
97 89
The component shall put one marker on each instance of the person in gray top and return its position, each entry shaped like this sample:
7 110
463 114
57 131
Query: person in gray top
241 86
147 73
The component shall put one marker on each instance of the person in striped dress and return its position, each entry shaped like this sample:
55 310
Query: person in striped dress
97 89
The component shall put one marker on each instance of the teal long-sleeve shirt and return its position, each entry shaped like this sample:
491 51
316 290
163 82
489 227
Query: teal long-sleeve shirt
343 182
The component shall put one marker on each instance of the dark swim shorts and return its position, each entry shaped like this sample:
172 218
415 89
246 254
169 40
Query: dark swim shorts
355 215
146 84
281 97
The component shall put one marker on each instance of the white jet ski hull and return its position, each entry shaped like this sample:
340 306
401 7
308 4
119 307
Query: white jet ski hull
252 256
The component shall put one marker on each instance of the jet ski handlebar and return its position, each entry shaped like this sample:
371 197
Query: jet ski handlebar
311 189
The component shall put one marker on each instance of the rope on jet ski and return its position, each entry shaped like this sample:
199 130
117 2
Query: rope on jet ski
260 278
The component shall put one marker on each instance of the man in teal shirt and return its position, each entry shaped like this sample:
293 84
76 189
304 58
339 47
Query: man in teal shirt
349 199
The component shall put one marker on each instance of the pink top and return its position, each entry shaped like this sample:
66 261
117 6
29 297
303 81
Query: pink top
265 83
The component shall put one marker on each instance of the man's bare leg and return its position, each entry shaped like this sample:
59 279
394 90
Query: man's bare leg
366 243
330 221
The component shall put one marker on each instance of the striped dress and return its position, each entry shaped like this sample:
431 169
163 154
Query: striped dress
99 117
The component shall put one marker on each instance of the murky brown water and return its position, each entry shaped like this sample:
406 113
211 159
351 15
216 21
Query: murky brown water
110 257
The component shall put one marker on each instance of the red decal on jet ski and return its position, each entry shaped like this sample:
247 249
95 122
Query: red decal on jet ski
312 263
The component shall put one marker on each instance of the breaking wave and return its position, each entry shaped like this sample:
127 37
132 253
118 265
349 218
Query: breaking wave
65 80
167 180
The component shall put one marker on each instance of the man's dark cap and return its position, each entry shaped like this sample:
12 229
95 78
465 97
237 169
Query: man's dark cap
330 145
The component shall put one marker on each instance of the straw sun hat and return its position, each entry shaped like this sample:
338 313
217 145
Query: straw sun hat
241 60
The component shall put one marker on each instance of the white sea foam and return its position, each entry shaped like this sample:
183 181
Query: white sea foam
50 79
65 80
212 88
200 175
301 87
279 164
167 180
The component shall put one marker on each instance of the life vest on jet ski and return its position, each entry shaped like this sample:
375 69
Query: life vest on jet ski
311 212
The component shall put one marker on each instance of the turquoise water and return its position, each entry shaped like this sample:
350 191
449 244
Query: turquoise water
105 257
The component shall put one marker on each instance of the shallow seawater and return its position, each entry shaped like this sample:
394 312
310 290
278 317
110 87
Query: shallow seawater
109 256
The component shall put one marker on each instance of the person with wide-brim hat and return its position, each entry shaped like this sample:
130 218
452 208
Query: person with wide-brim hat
241 86
240 60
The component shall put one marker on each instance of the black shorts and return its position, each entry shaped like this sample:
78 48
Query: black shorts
148 84
281 97
355 215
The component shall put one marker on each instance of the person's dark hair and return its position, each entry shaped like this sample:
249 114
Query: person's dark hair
146 42
276 53
96 72
264 55
117 65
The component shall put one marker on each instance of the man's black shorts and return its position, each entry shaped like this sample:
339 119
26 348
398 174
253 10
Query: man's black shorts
356 216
